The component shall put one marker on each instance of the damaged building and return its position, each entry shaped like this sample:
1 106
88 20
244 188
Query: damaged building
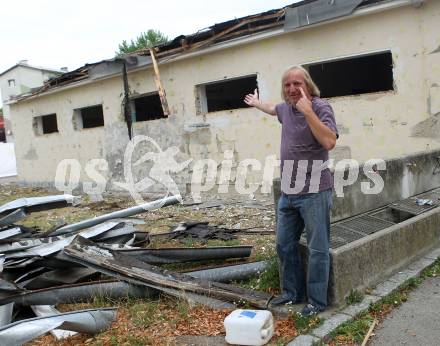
376 61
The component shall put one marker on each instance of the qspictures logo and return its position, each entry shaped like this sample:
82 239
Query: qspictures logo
161 167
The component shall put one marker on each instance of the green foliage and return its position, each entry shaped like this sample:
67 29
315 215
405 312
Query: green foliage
219 242
305 323
144 40
189 241
144 315
270 278
355 329
354 297
433 270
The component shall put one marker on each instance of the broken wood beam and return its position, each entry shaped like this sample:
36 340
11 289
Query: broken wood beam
157 80
129 269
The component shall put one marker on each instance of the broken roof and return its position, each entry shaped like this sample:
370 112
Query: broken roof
299 14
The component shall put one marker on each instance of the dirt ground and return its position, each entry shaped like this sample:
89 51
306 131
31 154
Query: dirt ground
163 321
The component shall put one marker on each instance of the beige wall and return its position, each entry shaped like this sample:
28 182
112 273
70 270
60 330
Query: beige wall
383 125
25 78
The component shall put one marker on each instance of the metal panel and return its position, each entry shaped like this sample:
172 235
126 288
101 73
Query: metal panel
318 11
10 232
340 236
366 224
40 203
160 203
85 321
48 310
12 217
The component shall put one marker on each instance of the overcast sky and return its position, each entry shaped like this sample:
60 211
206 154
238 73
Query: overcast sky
72 33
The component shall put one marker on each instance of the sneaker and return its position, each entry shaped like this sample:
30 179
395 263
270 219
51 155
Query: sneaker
283 300
310 310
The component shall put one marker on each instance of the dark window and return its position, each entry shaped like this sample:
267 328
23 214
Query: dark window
92 117
148 107
354 76
49 123
229 94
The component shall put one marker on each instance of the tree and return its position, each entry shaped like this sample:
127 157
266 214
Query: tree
144 40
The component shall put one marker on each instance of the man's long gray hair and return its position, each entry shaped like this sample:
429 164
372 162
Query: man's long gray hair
311 86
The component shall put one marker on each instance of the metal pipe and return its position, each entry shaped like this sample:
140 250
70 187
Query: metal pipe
118 214
80 293
176 255
230 273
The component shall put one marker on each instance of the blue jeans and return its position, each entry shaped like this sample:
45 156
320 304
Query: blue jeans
312 212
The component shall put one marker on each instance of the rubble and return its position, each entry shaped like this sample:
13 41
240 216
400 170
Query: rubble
90 321
45 269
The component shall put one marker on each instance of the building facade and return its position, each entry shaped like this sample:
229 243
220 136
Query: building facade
378 66
21 79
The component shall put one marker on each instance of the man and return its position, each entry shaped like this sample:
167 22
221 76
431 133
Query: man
308 133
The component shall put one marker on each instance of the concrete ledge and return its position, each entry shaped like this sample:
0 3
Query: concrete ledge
356 309
304 340
369 260
433 254
321 333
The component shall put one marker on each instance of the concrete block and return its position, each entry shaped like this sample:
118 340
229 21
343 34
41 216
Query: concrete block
385 288
356 309
373 258
433 254
304 340
329 325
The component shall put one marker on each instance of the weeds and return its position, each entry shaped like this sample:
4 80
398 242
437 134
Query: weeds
354 297
305 323
355 329
267 281
219 242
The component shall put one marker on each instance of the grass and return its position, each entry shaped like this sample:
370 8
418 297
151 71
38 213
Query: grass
267 281
355 330
354 297
219 242
304 324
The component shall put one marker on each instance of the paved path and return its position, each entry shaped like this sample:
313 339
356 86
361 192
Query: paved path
416 322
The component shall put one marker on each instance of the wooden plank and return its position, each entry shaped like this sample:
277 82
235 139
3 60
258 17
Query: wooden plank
157 80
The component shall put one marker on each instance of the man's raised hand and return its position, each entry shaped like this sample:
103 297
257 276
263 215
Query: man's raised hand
252 99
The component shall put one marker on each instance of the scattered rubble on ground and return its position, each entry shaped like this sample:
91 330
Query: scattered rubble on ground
62 252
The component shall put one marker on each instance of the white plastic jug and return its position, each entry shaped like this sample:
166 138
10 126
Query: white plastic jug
249 327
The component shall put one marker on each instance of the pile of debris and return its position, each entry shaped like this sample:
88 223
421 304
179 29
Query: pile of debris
104 256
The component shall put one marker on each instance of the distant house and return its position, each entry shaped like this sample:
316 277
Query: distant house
2 128
20 79
376 61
